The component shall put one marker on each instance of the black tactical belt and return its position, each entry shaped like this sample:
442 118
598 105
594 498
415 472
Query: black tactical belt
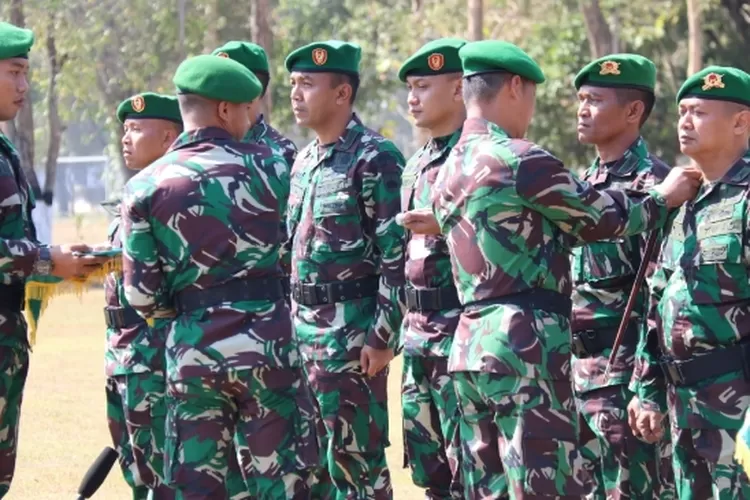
121 317
724 360
286 285
588 343
432 299
315 294
535 298
236 290
12 297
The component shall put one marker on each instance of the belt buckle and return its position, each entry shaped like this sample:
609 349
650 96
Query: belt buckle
673 369
578 347
307 294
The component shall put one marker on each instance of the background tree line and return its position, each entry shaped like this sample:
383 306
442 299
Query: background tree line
91 54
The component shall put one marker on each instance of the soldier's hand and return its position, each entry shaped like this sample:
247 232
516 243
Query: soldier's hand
66 264
633 408
374 360
420 222
649 425
681 185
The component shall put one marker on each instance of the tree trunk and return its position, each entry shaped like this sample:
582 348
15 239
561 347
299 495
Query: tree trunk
476 20
738 11
262 33
22 130
56 127
211 36
695 37
597 28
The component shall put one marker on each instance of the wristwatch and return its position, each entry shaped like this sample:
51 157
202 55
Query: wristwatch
43 263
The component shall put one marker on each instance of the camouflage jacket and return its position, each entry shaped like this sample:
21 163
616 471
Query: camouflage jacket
203 215
342 221
428 263
263 133
700 302
18 245
512 212
603 273
136 348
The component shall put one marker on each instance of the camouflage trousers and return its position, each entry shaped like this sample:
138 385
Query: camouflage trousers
136 412
262 417
538 435
704 465
352 419
15 368
621 465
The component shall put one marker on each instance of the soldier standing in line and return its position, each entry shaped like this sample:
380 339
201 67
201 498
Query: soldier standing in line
201 244
511 212
347 269
21 255
430 408
699 333
134 358
616 96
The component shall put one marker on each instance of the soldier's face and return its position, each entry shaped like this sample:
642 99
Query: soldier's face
145 140
601 117
255 110
13 86
433 100
707 125
313 97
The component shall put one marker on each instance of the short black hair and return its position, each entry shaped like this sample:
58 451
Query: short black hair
484 87
350 78
264 79
628 95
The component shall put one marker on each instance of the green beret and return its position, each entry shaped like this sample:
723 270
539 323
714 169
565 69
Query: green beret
721 83
217 78
149 105
15 41
250 55
331 56
490 56
618 71
434 58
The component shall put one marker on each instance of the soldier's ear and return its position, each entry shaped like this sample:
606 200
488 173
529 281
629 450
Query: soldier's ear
742 122
343 94
458 90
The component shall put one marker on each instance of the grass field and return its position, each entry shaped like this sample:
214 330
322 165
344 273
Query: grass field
63 422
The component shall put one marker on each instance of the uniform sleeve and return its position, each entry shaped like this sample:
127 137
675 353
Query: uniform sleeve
282 180
17 254
381 186
143 278
545 185
647 381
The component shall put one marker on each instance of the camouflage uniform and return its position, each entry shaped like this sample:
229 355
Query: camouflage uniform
346 243
622 465
134 365
698 318
200 226
431 441
511 213
18 252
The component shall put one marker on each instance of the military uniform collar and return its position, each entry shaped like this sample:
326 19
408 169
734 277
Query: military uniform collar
739 173
258 130
348 139
628 163
482 126
446 141
201 135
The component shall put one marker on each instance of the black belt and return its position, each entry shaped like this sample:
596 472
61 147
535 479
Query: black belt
535 298
12 297
687 372
432 299
315 294
121 317
588 343
286 285
236 290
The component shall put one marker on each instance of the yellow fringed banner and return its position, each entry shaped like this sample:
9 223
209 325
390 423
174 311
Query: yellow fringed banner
40 290
742 448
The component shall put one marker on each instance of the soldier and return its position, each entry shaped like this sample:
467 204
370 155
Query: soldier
615 96
254 58
511 212
134 359
201 241
21 255
430 407
699 333
347 268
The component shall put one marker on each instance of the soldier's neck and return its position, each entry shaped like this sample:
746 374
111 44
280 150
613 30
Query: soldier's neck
615 148
715 164
448 126
333 128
